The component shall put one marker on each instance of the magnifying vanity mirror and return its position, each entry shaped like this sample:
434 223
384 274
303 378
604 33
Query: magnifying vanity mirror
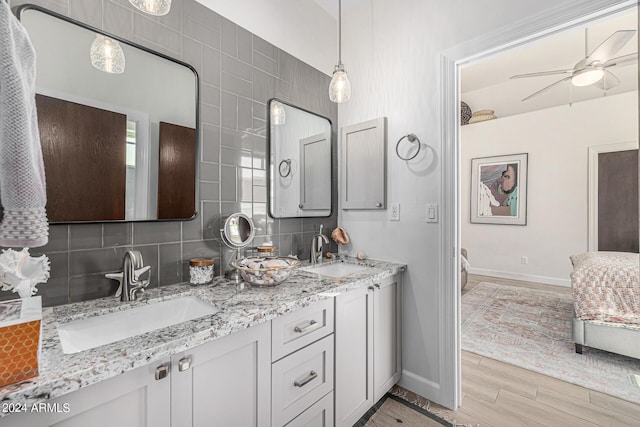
299 162
237 233
116 146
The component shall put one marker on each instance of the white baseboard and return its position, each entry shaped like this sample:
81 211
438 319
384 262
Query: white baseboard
518 276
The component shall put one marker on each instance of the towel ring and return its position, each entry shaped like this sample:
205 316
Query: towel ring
411 138
285 170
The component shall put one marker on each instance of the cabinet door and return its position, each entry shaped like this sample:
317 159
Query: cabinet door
387 347
134 399
354 355
226 382
363 165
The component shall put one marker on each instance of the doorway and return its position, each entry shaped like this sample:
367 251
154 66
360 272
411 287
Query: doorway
452 60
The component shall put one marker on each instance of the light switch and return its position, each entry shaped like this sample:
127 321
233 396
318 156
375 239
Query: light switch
431 212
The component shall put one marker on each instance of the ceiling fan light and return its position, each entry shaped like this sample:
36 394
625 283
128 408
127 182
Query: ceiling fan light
340 87
587 77
152 7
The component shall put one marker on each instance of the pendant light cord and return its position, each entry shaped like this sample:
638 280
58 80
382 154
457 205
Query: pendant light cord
339 32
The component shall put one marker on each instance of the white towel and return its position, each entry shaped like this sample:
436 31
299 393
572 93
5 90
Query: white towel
22 181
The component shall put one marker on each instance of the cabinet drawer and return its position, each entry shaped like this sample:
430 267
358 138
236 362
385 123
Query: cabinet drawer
300 328
318 415
301 379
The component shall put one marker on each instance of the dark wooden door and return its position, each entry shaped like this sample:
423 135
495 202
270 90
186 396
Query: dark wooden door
176 172
618 201
83 150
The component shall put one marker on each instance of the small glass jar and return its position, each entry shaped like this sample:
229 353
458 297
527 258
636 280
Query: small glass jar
200 271
267 251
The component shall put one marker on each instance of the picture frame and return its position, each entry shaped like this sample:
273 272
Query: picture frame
499 189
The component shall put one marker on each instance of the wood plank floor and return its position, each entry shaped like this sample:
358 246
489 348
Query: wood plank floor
498 394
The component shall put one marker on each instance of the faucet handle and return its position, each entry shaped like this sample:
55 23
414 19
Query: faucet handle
140 271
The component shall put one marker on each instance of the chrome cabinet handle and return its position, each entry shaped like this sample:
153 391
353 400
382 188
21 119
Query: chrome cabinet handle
371 288
184 364
161 372
378 205
377 286
312 325
312 376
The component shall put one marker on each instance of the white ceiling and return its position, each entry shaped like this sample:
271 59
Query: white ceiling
485 84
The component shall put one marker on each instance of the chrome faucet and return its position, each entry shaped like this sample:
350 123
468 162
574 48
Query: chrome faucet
132 268
317 245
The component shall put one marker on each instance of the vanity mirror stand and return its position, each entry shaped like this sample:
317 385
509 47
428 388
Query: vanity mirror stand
237 233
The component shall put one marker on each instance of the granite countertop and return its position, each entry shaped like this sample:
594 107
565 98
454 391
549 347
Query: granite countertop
241 306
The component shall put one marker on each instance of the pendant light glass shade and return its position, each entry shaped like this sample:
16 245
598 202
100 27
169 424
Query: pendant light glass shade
340 87
107 55
278 115
152 7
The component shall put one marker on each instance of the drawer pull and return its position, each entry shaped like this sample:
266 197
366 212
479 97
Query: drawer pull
311 326
377 286
312 376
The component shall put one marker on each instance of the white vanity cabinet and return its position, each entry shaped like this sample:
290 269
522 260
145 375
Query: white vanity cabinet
303 367
225 382
139 398
368 358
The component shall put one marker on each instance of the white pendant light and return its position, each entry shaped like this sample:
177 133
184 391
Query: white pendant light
107 55
152 7
587 77
278 115
340 87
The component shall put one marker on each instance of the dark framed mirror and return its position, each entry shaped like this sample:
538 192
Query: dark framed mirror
119 134
299 162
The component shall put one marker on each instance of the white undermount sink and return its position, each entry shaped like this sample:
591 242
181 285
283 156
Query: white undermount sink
84 334
336 270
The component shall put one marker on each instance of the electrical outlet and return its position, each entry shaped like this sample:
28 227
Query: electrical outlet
524 260
394 212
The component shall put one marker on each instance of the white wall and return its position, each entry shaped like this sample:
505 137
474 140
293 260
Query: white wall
391 51
557 141
299 27
392 54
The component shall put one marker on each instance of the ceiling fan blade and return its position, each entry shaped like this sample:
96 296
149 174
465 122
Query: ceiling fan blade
622 60
608 81
544 89
610 47
542 73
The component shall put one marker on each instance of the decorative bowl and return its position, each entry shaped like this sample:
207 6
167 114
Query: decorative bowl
265 270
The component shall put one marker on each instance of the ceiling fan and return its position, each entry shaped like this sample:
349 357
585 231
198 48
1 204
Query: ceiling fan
592 69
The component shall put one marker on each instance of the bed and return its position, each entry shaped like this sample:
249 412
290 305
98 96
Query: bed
606 293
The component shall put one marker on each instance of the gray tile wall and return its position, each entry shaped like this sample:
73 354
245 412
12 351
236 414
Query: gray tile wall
239 72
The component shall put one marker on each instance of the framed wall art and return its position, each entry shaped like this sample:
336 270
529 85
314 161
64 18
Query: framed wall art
499 190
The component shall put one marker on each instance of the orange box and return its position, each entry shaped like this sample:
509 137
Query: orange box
20 339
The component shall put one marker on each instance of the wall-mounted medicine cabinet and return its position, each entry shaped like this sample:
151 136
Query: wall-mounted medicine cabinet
363 165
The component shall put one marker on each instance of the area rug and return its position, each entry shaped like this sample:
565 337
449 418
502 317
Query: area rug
392 410
532 329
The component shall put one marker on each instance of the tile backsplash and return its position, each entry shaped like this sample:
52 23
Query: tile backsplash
239 72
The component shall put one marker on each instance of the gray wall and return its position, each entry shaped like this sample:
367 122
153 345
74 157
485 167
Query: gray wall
239 72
